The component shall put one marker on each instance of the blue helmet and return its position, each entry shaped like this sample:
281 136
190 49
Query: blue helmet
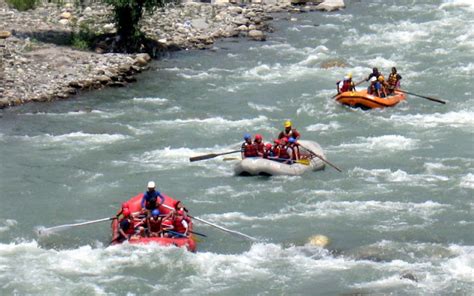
155 213
292 140
247 136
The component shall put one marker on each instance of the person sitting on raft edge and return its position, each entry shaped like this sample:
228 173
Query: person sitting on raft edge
346 84
149 200
289 131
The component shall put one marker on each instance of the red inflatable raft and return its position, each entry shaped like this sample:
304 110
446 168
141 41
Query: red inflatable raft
135 206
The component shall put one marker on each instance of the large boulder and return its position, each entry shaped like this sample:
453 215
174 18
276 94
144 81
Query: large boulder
257 35
5 34
331 5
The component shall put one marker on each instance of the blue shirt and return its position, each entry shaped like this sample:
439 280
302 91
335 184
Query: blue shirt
153 195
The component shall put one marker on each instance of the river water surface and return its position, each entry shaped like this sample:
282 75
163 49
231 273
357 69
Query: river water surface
399 216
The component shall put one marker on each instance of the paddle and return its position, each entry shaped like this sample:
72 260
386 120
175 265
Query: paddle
424 97
300 161
212 155
359 82
320 157
67 226
216 226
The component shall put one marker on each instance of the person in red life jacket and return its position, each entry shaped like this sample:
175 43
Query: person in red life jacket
345 85
167 224
393 81
181 223
248 148
268 152
294 147
284 156
126 227
150 198
289 131
154 223
258 142
275 150
179 206
120 214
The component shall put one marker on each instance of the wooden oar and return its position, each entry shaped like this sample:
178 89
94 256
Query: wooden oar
67 226
212 155
360 82
217 226
320 157
424 97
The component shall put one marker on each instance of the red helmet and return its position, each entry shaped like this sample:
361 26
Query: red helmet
180 212
284 140
276 141
125 205
258 137
126 212
268 146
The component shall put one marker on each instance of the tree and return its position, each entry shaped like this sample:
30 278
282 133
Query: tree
127 15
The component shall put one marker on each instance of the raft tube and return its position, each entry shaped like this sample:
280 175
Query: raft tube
254 166
134 205
360 99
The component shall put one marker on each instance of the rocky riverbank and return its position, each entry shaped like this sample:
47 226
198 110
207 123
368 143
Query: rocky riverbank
37 62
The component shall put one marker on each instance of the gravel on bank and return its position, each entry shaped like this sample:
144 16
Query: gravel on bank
38 65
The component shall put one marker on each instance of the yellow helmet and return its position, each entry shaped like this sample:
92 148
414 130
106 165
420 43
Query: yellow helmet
349 75
287 123
381 78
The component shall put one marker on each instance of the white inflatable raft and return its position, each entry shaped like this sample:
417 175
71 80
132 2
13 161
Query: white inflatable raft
260 166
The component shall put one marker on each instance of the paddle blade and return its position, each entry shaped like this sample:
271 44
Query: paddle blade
303 161
202 157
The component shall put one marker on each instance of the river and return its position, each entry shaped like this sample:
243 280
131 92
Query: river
399 216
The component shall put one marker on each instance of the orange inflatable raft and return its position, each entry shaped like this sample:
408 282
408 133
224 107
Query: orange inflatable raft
134 205
361 99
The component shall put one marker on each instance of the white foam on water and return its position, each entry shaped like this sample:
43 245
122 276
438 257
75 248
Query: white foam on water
76 138
461 267
68 114
382 144
468 4
321 127
467 181
153 100
7 224
397 176
217 123
456 119
199 76
333 209
263 107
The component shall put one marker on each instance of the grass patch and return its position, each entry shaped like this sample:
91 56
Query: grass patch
22 5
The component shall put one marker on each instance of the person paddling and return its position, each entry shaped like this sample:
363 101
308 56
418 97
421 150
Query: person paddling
150 198
289 131
393 81
375 73
346 84
259 145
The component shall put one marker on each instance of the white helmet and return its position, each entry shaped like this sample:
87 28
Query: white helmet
346 78
373 79
151 184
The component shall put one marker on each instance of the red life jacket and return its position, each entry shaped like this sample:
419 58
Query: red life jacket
131 227
167 224
178 224
292 133
250 150
284 153
260 147
155 225
346 85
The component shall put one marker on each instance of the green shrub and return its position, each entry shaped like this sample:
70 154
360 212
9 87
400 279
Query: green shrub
84 38
22 5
